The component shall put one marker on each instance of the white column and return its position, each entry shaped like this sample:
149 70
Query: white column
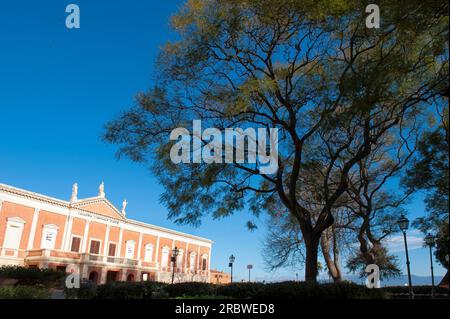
139 247
85 236
105 243
33 229
124 275
198 259
209 261
65 234
103 275
119 249
157 249
68 234
186 257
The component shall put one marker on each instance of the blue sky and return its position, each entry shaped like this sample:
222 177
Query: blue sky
58 87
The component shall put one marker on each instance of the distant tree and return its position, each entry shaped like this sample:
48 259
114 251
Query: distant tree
387 263
374 201
283 246
430 173
309 68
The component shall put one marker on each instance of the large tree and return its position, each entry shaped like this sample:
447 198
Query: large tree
309 68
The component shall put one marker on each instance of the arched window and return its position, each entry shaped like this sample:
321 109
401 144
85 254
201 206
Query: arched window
49 233
165 257
13 236
148 256
129 249
130 277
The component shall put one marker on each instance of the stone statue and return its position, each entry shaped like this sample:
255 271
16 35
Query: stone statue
74 196
124 207
101 190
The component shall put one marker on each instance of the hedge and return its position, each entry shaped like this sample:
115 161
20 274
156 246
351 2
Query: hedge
190 289
119 290
299 290
32 276
282 290
24 292
422 290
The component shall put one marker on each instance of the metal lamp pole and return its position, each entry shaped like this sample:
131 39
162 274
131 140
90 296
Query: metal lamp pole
403 224
430 240
231 260
175 252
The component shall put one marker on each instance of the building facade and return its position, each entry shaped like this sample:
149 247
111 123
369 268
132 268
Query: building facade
96 238
219 277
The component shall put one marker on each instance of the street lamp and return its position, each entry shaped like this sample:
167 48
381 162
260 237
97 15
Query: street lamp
249 267
403 224
173 259
231 259
430 240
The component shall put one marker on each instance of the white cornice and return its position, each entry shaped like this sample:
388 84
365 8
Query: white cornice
55 205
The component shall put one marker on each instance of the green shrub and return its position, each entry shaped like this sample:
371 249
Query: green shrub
131 290
120 290
422 290
87 290
24 292
241 290
154 290
7 292
196 290
33 276
299 290
190 289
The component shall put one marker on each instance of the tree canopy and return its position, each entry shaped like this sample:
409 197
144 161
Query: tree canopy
311 69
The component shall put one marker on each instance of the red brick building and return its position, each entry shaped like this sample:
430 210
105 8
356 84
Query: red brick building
40 231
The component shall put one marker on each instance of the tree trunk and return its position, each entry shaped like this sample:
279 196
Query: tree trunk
332 263
312 248
337 254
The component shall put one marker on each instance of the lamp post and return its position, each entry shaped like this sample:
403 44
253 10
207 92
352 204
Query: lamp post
403 224
231 260
429 240
173 259
249 267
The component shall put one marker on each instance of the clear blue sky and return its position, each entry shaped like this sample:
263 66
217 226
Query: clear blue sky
57 89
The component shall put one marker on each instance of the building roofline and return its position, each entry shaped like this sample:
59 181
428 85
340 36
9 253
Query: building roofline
67 204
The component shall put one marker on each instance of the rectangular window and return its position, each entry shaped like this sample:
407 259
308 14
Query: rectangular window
76 242
95 247
112 250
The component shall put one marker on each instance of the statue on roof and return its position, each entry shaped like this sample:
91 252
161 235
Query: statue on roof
124 207
74 196
101 190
